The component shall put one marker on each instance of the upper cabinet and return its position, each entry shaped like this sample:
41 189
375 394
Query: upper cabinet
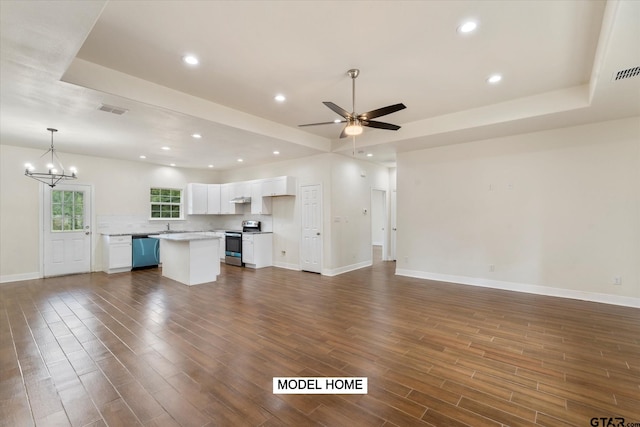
226 195
281 186
216 199
196 199
259 205
213 199
203 199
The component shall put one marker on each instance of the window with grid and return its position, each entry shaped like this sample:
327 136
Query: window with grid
67 210
166 203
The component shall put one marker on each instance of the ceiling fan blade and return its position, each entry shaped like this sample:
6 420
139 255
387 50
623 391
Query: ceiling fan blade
343 134
339 110
379 125
323 123
382 111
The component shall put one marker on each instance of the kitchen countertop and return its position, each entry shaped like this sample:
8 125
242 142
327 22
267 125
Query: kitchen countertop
184 237
179 232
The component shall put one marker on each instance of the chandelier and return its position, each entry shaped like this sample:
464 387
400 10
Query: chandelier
55 171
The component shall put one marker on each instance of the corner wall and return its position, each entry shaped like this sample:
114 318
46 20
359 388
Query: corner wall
554 212
120 193
346 230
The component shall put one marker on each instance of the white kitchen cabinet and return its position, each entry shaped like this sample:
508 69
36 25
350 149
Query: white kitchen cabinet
223 245
116 254
213 199
280 186
226 207
196 199
221 241
257 249
241 189
259 205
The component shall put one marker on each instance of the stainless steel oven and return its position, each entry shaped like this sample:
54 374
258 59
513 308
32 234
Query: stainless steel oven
233 241
233 248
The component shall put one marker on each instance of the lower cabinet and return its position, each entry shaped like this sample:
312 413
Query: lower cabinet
257 250
116 254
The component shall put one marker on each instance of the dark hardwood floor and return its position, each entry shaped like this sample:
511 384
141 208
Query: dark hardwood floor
137 349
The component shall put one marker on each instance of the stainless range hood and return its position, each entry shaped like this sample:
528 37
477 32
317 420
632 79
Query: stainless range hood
243 199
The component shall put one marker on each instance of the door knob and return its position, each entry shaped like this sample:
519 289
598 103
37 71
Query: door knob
87 232
317 234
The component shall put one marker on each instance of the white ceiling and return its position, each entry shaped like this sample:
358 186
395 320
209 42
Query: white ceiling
60 60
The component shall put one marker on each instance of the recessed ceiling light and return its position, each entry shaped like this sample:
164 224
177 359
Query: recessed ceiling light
210 166
467 27
143 157
166 148
495 78
337 121
369 154
172 164
240 160
280 98
190 59
196 135
276 152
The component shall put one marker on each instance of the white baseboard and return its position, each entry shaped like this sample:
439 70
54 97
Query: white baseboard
19 277
523 287
287 266
346 268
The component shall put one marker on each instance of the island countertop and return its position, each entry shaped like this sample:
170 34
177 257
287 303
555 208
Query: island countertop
184 237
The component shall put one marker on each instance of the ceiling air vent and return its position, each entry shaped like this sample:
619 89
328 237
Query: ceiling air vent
625 74
111 109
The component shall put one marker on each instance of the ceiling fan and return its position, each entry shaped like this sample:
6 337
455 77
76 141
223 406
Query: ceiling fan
355 122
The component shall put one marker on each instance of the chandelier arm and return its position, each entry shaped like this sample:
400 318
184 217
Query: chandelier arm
51 177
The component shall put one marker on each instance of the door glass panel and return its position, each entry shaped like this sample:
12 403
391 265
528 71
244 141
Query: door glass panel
67 210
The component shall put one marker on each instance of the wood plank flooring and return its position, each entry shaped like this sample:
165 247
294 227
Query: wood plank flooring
138 349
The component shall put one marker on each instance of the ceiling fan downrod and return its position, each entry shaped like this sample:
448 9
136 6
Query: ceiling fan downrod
353 73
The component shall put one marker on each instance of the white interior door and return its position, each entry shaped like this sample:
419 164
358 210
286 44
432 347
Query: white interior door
66 229
311 240
392 235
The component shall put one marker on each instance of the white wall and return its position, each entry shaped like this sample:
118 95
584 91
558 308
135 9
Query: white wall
554 212
121 189
121 195
346 184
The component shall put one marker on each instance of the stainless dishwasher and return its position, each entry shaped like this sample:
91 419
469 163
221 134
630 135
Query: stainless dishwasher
145 251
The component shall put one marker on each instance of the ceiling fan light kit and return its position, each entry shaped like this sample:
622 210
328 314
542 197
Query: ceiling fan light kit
356 122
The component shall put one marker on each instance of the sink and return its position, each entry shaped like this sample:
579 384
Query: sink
176 231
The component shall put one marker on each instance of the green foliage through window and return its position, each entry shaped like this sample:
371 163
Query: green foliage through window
67 210
166 203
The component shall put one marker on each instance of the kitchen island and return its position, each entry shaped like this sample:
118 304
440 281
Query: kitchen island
189 258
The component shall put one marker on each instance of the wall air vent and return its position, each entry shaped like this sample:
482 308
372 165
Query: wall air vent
111 109
625 74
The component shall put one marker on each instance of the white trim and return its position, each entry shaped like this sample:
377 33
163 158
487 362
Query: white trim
523 287
287 266
20 277
346 268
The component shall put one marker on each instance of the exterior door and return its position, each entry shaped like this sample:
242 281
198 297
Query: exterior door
311 241
66 229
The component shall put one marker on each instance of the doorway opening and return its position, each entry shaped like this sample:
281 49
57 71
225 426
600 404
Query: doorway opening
379 234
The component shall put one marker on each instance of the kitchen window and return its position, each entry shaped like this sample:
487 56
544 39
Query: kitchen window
166 203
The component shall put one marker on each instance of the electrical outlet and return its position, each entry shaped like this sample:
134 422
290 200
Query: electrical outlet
617 280
492 267
283 253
